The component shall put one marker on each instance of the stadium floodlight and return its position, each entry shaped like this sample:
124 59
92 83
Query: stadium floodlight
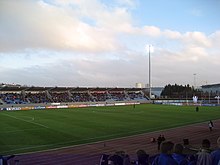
149 49
194 74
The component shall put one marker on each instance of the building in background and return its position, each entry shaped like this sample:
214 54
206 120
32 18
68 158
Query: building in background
139 85
156 91
211 88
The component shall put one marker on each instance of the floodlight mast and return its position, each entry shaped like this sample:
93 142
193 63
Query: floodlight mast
194 74
149 73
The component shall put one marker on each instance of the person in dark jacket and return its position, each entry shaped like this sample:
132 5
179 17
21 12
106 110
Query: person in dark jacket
165 157
178 155
216 154
159 141
142 157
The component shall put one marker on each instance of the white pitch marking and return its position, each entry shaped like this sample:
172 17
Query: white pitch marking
21 130
26 120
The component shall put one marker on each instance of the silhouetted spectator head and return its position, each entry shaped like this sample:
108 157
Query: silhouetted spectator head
178 149
167 147
142 157
206 144
115 160
120 153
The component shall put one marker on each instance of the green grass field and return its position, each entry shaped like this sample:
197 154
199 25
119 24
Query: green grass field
27 131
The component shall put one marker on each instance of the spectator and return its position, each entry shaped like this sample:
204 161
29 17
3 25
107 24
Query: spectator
178 155
115 160
119 158
4 159
216 154
142 157
165 158
104 159
159 141
204 156
163 138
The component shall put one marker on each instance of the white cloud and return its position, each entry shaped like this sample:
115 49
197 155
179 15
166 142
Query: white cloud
151 31
115 18
172 34
88 43
215 39
197 38
51 27
130 3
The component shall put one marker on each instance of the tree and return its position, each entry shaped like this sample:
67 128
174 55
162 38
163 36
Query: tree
177 91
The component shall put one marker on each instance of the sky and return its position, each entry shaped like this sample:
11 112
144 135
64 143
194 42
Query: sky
105 43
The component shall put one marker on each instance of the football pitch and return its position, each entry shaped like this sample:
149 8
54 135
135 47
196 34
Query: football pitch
36 130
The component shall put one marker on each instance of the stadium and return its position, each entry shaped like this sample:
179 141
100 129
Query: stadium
83 125
109 82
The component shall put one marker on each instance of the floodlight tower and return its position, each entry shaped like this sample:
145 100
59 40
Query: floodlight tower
194 74
149 73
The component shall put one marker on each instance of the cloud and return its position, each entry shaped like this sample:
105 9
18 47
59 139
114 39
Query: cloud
115 18
215 39
52 27
90 43
178 67
197 38
172 34
78 71
129 3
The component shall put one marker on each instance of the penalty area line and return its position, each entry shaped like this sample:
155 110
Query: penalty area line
26 121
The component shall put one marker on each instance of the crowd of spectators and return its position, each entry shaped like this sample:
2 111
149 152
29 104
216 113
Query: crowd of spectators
58 97
65 96
81 97
118 96
170 154
136 95
40 97
13 98
100 96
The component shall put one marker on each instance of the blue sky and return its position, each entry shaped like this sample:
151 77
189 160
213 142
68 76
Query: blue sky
103 42
193 15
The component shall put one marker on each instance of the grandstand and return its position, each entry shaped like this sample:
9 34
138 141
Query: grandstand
35 95
214 89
